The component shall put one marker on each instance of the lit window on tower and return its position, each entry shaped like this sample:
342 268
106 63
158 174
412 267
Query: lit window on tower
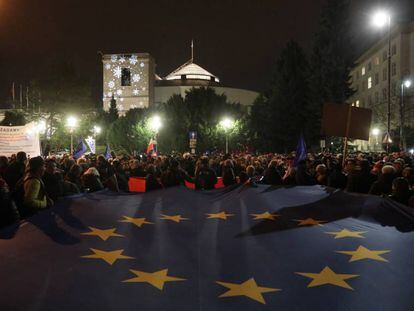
363 71
369 82
126 77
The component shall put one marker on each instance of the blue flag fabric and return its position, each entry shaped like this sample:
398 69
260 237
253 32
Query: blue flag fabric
107 153
301 152
80 149
264 248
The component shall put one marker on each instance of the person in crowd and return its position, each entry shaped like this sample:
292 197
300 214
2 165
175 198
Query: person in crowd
272 175
383 186
4 164
15 171
228 175
91 181
321 174
173 175
302 176
401 192
336 177
35 195
53 180
151 180
107 174
8 210
360 181
121 176
73 178
205 177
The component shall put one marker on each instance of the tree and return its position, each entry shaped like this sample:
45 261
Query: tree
201 110
278 118
13 118
332 57
113 111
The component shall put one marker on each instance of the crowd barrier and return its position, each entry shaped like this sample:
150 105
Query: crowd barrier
138 184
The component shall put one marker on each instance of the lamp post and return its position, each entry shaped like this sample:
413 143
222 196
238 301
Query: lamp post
155 124
227 124
405 84
71 123
381 19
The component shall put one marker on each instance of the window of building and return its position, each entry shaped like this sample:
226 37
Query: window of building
126 77
369 100
394 69
376 60
384 94
384 55
384 74
363 71
376 98
394 49
369 66
393 88
362 86
369 82
357 103
376 79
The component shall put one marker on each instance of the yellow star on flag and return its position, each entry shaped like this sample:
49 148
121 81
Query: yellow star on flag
175 218
265 215
103 234
327 276
309 222
108 256
248 288
345 233
136 221
364 253
156 279
221 215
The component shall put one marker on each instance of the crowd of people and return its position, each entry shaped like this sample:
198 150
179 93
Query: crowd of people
30 185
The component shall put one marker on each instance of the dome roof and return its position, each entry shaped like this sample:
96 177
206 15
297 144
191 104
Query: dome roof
191 71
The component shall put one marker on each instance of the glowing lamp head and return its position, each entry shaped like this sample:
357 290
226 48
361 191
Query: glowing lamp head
375 131
71 122
41 126
380 19
407 83
411 151
97 129
155 123
227 123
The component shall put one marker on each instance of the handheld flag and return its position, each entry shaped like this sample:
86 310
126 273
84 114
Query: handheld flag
152 146
107 153
300 151
80 149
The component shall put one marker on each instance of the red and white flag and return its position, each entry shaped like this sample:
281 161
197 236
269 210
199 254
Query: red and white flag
152 146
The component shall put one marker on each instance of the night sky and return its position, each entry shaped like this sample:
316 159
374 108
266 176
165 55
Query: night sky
235 40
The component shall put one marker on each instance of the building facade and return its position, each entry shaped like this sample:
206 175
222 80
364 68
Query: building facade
129 79
369 80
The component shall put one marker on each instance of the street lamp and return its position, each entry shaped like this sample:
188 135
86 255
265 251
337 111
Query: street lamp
155 124
227 124
71 123
96 130
405 84
383 19
375 132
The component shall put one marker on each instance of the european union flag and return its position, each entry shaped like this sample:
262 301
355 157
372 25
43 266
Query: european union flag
301 153
241 248
80 149
107 153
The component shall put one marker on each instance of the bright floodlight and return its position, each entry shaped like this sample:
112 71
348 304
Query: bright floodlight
375 131
411 151
155 123
41 126
227 123
407 83
380 19
97 129
71 122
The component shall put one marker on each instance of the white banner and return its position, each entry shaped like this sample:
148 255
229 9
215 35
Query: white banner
19 138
